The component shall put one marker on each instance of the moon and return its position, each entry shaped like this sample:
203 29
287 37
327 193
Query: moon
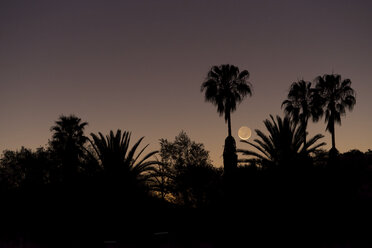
244 133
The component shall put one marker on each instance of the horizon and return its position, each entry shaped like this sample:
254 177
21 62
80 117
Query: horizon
138 66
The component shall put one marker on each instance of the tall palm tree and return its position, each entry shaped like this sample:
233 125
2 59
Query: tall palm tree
68 142
226 86
337 96
302 103
68 131
119 160
283 147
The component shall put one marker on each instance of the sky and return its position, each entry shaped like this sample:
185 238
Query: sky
138 65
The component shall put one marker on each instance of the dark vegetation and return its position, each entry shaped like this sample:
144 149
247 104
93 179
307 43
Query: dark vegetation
80 191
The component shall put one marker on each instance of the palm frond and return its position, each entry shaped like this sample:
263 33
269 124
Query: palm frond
115 156
284 143
225 87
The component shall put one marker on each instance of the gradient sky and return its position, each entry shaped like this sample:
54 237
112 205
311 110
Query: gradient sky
138 65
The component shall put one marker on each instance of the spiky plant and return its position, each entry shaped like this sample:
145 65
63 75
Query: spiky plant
119 160
283 146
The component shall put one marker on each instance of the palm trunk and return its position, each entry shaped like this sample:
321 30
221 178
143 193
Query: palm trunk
230 159
333 137
332 121
333 152
229 123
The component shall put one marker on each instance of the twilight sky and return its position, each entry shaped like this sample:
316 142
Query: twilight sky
138 65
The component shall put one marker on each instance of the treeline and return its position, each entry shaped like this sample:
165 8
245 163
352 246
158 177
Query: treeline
106 187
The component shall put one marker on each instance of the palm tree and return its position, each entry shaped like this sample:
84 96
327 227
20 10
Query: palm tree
68 142
118 160
68 133
337 96
283 147
225 87
302 103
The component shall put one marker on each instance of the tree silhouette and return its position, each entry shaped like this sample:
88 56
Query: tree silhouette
12 171
183 151
119 161
283 147
225 87
189 175
68 143
35 166
302 103
337 96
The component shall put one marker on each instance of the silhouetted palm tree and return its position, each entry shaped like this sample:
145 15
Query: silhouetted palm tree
225 87
302 103
68 142
337 95
284 146
119 160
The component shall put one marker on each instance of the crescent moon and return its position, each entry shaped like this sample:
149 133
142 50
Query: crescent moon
244 133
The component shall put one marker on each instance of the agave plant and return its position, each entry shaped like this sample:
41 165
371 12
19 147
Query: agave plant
283 147
117 159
